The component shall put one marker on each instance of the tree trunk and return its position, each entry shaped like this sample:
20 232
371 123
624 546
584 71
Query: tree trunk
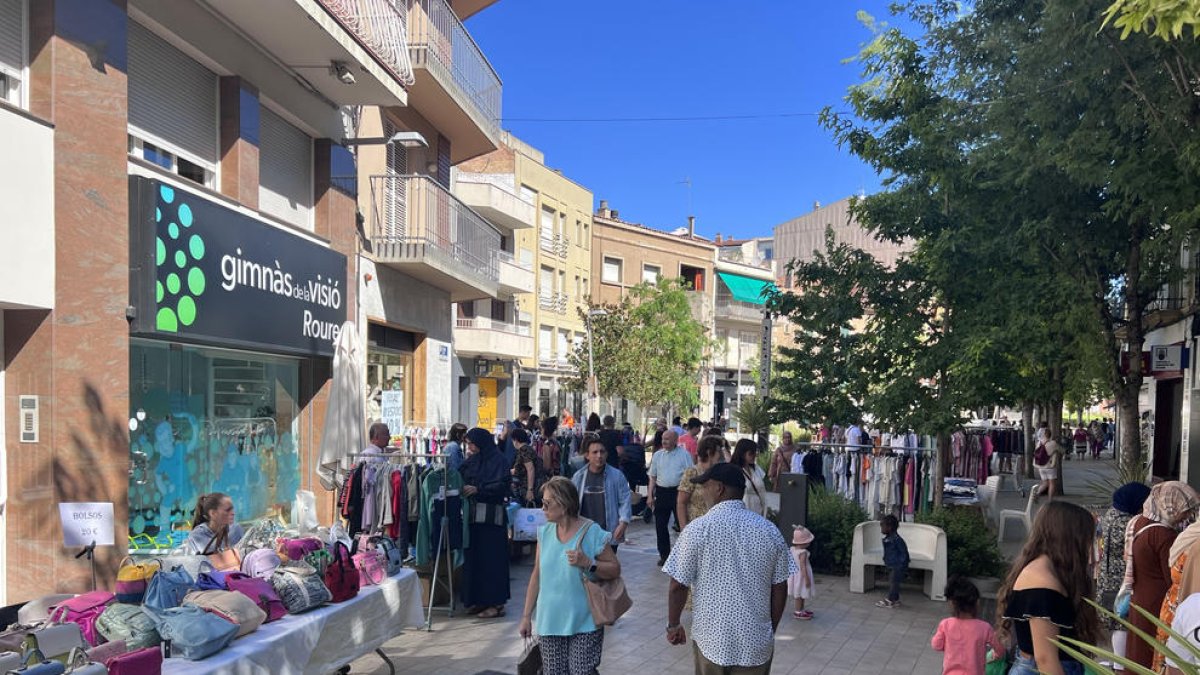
1056 422
1027 428
1129 430
1131 383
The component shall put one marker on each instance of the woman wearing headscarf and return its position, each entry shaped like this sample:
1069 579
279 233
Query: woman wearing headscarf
1185 580
1148 540
1127 503
486 483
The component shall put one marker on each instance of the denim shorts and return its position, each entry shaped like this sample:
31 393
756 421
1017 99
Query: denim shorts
1025 665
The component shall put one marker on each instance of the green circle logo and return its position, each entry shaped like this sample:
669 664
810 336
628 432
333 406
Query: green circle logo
177 292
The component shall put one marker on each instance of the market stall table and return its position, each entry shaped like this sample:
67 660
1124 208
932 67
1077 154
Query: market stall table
323 640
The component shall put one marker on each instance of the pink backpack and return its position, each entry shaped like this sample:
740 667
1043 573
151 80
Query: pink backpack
261 563
83 610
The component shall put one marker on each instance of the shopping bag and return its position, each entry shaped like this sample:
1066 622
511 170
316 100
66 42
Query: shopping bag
531 659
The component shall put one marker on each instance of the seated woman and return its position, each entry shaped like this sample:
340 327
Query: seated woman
213 526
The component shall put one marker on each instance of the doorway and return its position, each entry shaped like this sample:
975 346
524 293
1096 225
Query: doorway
1168 428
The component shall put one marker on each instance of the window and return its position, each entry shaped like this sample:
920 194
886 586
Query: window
562 282
587 235
611 274
545 343
562 225
547 232
172 107
528 194
579 232
578 289
285 161
12 50
651 273
564 344
546 281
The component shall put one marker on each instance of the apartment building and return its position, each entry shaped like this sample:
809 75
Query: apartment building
626 254
559 252
799 237
740 307
179 247
426 249
757 251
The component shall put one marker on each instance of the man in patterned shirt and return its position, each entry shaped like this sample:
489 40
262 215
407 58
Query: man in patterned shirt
730 630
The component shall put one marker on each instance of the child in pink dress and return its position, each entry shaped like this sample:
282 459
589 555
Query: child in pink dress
800 584
964 638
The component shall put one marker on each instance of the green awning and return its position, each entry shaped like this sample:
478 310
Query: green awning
746 289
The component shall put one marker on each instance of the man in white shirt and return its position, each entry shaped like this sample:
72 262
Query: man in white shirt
666 470
854 435
736 565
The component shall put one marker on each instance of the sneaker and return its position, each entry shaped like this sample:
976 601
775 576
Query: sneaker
803 615
888 603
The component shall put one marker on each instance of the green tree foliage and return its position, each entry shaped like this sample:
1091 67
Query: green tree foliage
648 348
1048 172
1165 19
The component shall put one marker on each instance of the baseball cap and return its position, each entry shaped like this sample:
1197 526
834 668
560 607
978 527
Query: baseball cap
725 473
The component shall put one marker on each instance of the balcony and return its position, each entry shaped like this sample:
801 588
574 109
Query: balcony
484 337
729 309
455 84
493 196
27 255
421 229
550 301
552 362
555 245
368 36
516 276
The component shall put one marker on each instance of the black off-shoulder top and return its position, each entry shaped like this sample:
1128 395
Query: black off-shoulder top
1039 603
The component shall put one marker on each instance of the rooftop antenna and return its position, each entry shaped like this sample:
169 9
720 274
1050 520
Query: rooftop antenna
687 180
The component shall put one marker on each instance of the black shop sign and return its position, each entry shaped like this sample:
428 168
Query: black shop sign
202 272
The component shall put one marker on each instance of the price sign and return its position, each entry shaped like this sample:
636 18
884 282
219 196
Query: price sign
86 522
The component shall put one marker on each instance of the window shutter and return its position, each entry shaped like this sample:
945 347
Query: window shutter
172 98
284 169
443 161
394 196
12 36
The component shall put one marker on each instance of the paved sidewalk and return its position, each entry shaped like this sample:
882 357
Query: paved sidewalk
848 636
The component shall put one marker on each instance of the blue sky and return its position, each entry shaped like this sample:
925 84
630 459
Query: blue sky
572 59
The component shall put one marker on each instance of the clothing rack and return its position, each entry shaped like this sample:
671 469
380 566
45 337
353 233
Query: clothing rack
854 477
443 546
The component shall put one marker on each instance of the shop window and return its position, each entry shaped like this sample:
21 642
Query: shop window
209 420
390 375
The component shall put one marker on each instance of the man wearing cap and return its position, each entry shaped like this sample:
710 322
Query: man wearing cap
666 470
732 627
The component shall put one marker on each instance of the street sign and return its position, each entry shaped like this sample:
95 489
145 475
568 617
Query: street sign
1166 357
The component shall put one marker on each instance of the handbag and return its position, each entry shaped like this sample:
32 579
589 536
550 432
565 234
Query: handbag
488 514
103 652
9 661
231 606
320 560
132 579
260 592
82 610
81 664
56 642
193 564
212 580
395 559
342 578
38 611
296 549
607 598
166 590
299 587
261 563
42 667
146 661
530 662
372 567
128 624
195 634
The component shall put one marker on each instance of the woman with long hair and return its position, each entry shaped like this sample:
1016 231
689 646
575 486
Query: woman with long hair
455 454
690 504
1046 592
1148 542
213 526
745 457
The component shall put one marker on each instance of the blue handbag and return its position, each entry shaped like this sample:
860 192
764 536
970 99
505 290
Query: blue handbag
212 581
195 634
166 590
35 664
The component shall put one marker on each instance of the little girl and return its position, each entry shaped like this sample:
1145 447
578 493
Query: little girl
963 637
800 584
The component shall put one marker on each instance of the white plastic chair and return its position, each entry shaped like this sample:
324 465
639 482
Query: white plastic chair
1026 517
987 502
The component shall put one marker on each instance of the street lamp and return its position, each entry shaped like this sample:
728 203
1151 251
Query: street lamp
593 393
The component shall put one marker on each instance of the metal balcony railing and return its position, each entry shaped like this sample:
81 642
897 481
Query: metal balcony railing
486 323
548 244
413 215
511 259
440 42
381 27
727 307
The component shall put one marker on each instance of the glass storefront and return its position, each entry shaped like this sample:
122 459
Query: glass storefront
209 420
389 372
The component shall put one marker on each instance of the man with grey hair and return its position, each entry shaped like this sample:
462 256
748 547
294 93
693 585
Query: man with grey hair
380 436
666 470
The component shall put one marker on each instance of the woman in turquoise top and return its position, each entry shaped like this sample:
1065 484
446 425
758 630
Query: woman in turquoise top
571 642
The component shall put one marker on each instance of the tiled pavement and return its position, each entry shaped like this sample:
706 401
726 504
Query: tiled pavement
848 636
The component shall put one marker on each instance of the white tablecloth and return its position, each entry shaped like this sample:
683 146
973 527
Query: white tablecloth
321 641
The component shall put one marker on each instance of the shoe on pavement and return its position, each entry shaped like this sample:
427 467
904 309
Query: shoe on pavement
803 615
888 603
662 561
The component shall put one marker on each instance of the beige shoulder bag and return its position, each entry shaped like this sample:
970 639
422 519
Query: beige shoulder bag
607 598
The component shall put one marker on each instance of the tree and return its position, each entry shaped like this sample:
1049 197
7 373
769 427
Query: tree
1067 152
1165 19
648 347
